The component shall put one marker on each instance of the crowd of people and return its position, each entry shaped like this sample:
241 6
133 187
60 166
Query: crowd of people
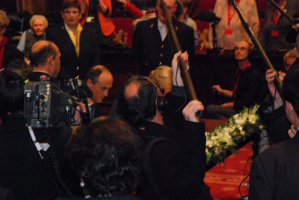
152 145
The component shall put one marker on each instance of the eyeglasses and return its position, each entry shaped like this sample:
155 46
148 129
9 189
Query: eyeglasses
242 49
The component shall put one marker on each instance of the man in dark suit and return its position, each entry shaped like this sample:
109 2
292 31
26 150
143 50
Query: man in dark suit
151 40
45 59
274 173
98 80
78 46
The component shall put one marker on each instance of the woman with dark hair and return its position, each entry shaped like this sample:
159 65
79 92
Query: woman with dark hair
107 157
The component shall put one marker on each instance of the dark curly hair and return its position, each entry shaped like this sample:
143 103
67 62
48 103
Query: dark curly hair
11 92
139 108
107 156
290 87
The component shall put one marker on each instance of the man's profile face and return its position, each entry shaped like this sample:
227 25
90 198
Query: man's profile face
171 7
71 16
101 86
57 65
241 51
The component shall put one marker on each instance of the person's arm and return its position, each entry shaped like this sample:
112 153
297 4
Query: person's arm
79 115
181 169
223 92
176 71
21 44
270 76
105 6
137 13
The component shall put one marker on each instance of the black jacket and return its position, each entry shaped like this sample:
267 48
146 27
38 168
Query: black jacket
274 173
89 55
21 168
151 51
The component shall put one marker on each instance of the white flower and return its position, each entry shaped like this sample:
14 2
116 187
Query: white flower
224 138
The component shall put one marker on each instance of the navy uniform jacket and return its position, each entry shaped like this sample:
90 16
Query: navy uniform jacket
152 52
89 55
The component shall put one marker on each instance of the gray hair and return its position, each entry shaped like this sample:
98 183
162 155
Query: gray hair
34 17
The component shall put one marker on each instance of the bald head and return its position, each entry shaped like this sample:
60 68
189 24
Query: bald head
132 89
45 56
41 50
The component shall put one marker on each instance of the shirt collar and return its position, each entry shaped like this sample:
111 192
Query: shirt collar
79 27
160 24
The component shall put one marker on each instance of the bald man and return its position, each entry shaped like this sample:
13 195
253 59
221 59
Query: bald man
99 80
45 60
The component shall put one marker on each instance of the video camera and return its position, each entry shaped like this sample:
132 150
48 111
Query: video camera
45 105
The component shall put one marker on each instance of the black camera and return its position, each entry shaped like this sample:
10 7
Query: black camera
46 106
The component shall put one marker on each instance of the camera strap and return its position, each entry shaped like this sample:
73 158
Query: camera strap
39 146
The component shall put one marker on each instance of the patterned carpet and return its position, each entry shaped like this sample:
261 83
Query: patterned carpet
224 180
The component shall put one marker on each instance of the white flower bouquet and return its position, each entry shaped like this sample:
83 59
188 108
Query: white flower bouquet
225 138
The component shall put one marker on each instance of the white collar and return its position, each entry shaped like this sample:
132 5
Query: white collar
160 24
79 27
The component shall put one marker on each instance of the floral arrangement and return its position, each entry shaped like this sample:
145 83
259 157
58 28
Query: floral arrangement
224 138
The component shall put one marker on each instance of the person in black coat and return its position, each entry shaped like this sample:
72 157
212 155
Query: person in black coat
274 173
246 88
28 172
175 159
152 44
79 46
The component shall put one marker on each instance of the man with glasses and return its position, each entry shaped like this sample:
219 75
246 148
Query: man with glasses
78 46
246 89
151 40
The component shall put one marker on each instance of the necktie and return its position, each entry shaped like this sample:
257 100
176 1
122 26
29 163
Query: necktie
92 111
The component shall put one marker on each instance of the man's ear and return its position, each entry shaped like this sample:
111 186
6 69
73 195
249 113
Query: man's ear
89 82
50 61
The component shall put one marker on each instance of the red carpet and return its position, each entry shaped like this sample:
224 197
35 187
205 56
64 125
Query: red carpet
224 180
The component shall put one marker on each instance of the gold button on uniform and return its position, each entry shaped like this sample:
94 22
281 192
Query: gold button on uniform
160 63
77 68
161 55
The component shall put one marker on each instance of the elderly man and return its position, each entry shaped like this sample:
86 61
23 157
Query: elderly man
78 46
151 40
246 87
